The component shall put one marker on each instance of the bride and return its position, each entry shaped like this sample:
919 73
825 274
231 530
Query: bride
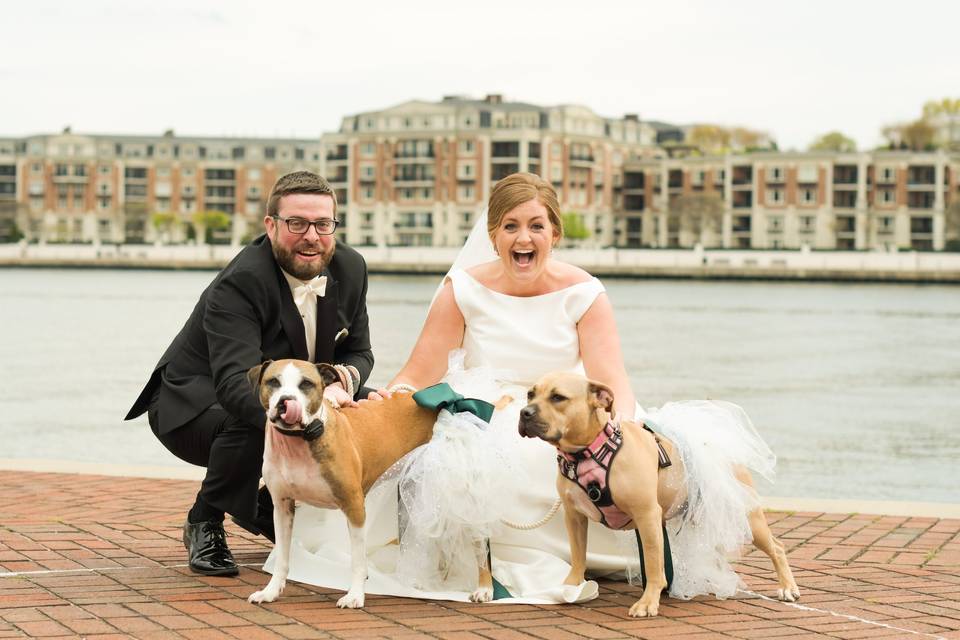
508 312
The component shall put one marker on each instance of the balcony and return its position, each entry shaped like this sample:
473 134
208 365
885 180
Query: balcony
742 199
675 179
920 199
921 176
633 180
501 171
845 174
337 154
845 199
505 150
741 224
846 225
634 203
742 176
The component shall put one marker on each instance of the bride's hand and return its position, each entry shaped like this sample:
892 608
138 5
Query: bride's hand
379 394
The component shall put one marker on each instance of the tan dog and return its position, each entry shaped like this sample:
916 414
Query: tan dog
330 458
570 411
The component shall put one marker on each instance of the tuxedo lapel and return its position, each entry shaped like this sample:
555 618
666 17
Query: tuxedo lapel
327 321
291 321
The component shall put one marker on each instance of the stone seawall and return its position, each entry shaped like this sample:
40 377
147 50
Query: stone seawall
854 266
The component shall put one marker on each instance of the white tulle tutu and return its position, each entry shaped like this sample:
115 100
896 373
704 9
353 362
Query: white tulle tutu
451 491
711 438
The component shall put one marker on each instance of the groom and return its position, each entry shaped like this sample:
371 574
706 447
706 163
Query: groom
294 292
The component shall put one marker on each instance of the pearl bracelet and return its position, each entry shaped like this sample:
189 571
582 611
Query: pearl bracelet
402 386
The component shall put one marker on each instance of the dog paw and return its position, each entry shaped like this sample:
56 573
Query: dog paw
483 594
641 609
268 594
790 594
351 601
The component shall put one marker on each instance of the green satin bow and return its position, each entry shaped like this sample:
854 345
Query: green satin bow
442 396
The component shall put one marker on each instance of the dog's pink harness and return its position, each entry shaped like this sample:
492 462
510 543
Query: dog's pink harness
590 467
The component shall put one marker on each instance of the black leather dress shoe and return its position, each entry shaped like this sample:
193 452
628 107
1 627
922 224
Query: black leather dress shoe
260 526
206 543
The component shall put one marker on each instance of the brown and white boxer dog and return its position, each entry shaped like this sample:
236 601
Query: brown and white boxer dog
330 457
570 412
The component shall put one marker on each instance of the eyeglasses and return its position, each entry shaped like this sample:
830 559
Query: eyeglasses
299 226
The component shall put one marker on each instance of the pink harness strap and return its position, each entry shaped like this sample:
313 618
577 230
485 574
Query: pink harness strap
590 467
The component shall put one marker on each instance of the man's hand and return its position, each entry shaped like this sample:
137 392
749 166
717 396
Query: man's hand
337 396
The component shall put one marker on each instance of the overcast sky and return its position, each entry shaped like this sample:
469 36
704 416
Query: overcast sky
285 68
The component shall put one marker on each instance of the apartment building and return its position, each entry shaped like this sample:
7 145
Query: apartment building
420 172
773 200
70 187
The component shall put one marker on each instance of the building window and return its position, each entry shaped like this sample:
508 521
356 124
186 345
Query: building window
807 224
774 174
466 146
886 175
368 149
808 196
774 196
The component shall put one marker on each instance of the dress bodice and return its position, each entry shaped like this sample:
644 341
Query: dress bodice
522 337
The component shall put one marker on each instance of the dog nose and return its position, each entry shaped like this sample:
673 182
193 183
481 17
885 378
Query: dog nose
528 411
282 403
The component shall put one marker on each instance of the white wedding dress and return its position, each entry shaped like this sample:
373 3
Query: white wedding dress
509 342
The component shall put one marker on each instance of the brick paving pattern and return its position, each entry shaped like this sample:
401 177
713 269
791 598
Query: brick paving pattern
100 557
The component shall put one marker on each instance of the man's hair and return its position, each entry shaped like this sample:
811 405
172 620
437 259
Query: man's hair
299 182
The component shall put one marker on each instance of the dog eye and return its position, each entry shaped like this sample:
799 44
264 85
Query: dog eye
556 397
273 383
306 385
530 395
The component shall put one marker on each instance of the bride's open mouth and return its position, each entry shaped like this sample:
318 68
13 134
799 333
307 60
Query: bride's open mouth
524 257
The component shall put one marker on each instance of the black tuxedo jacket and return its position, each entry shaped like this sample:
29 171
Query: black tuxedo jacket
245 316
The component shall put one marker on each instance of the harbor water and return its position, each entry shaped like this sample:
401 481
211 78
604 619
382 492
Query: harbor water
856 387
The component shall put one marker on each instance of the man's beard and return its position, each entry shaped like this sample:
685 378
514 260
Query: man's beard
288 261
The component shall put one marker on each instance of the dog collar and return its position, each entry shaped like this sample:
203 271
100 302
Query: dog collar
309 433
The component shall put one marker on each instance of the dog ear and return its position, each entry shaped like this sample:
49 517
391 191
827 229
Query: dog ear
328 374
255 374
601 396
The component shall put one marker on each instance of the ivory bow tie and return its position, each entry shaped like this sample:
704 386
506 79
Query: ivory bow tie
317 286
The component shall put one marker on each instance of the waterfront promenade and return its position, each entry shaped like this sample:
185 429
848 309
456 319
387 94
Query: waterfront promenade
855 266
99 556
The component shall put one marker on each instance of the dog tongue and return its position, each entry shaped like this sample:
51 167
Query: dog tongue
292 413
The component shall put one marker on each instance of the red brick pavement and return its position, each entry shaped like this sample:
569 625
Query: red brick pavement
100 557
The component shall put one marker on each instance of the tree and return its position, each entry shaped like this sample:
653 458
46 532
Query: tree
715 139
205 223
710 138
944 115
573 226
833 141
163 222
698 212
952 226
